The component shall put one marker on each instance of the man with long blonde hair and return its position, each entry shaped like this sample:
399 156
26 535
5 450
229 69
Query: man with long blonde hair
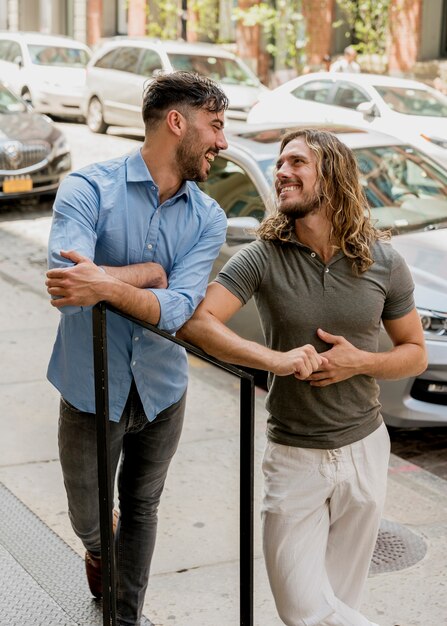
324 279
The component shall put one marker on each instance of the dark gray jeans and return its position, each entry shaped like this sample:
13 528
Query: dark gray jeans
147 449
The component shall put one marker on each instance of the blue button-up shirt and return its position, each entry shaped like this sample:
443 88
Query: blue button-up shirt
111 213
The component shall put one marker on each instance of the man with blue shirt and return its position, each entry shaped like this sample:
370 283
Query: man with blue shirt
137 233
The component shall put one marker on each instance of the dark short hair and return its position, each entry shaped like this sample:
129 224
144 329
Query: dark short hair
181 90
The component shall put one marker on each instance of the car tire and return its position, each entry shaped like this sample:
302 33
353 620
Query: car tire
95 118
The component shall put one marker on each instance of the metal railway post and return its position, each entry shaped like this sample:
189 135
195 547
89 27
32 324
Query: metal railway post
246 467
105 481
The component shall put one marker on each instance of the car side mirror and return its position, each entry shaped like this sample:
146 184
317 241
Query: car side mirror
240 230
18 61
368 109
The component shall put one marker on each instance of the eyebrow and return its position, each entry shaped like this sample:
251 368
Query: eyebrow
292 155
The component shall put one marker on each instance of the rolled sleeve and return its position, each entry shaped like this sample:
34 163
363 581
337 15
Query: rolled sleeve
188 279
75 214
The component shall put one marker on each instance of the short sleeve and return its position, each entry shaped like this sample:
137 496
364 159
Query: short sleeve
243 273
400 298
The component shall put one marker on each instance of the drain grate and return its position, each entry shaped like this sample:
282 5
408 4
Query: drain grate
396 548
42 579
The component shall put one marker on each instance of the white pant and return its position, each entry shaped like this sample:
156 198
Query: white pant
321 514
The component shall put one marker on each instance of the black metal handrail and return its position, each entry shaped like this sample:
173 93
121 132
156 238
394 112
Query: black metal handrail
105 483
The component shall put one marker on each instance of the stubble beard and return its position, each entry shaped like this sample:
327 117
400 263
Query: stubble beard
189 159
300 208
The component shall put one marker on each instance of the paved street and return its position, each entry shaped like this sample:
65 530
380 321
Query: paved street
195 570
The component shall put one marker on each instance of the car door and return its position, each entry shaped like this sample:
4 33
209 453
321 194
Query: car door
230 184
122 88
344 101
315 96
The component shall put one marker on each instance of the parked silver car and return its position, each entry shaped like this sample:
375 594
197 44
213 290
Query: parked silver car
121 67
48 71
407 193
34 154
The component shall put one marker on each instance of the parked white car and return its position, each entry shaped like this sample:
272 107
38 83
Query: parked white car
122 66
407 109
48 71
406 192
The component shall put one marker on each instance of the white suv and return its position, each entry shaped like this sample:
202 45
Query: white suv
121 67
46 70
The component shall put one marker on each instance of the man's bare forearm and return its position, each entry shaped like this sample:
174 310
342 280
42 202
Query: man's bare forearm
140 275
134 301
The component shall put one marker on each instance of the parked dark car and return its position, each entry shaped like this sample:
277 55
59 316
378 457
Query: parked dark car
34 154
407 193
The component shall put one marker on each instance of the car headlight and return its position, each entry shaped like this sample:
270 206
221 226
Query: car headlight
438 141
433 322
60 146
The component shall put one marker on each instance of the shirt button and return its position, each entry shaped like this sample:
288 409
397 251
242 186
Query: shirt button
136 338
134 362
326 270
149 246
153 188
313 255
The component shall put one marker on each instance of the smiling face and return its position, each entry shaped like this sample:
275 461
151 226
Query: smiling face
296 184
201 143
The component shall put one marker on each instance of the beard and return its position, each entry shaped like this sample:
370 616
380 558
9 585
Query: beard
190 158
297 209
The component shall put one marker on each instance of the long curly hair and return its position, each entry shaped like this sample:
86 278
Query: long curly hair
347 208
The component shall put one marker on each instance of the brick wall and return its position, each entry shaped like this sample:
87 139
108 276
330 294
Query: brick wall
405 31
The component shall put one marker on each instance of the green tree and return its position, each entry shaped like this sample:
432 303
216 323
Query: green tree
367 22
282 23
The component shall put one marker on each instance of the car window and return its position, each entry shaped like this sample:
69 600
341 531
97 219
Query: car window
231 187
149 63
9 50
414 101
9 103
4 50
221 69
58 55
404 189
126 59
106 61
349 96
316 91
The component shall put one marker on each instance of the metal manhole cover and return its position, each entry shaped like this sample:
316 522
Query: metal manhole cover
396 548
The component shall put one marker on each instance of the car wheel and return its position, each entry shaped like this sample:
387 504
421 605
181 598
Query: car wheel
95 119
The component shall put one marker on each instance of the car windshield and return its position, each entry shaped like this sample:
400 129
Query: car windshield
414 101
226 71
60 56
405 190
9 103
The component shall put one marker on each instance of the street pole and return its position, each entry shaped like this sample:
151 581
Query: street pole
184 20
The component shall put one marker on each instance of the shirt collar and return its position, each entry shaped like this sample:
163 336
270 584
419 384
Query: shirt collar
137 171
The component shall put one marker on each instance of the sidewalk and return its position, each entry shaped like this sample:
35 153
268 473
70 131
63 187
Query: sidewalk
195 571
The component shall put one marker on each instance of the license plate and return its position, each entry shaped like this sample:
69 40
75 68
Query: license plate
17 185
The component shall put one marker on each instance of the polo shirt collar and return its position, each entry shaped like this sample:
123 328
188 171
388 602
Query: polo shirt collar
137 172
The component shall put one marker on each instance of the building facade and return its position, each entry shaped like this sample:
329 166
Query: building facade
418 28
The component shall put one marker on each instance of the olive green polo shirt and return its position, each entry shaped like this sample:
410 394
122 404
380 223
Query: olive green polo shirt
296 293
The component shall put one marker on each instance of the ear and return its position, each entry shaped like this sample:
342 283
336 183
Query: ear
176 122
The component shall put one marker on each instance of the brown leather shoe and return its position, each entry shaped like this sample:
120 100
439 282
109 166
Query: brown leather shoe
93 565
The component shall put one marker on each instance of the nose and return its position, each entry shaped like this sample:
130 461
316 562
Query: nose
283 172
221 142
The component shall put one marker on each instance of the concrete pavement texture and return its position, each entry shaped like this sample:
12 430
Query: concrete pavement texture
195 570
